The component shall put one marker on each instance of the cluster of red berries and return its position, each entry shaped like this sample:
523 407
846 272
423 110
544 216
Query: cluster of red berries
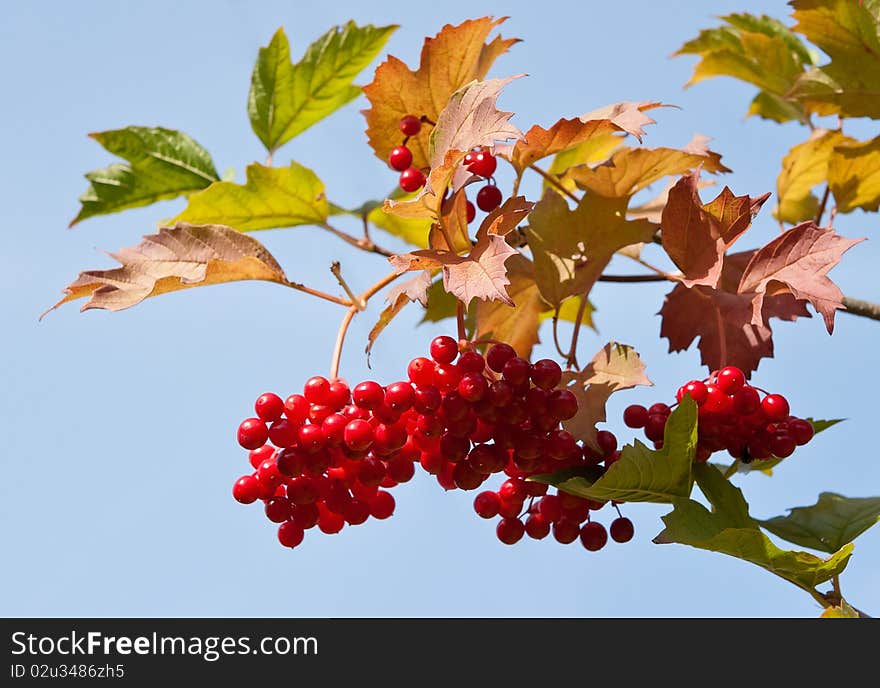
733 415
479 161
461 416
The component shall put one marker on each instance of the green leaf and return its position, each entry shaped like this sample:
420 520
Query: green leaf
642 474
286 99
776 108
271 197
729 529
821 425
758 50
829 524
163 164
848 32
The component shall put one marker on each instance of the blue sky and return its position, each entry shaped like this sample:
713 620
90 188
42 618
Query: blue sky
118 429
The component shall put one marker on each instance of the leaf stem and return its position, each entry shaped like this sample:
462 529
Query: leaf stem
572 352
632 278
336 269
731 469
554 182
562 354
320 294
824 202
459 317
353 310
364 244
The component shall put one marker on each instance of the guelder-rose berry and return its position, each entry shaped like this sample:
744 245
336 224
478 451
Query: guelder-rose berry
411 179
593 536
498 355
382 505
775 407
622 529
252 433
410 125
368 395
290 534
635 416
510 530
546 373
482 163
246 489
269 407
358 434
444 349
400 158
730 380
489 197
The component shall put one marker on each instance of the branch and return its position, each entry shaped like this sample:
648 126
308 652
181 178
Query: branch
866 309
821 211
632 278
320 294
364 244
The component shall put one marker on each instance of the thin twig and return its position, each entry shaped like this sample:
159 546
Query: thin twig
562 354
572 352
866 309
632 278
320 294
459 317
362 244
555 182
336 269
821 211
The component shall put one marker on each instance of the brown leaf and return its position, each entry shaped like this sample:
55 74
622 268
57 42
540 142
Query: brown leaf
429 201
516 325
569 262
454 57
176 258
506 217
696 234
614 367
632 169
453 219
798 261
722 319
414 289
538 143
628 116
471 119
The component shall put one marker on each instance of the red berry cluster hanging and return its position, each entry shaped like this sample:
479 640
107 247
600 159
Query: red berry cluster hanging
401 157
463 417
733 415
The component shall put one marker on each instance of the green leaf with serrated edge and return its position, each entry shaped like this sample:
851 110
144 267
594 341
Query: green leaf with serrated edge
286 99
776 108
730 530
822 425
642 474
589 473
271 197
829 524
849 32
162 164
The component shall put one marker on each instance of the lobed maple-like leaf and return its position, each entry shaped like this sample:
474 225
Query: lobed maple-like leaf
722 319
614 367
696 235
849 32
516 324
854 175
413 289
471 119
454 57
797 262
505 218
569 262
428 203
179 257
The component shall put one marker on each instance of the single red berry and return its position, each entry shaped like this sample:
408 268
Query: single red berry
411 179
257 456
278 509
246 489
382 505
333 427
546 373
316 390
400 158
607 442
305 515
801 430
510 530
296 408
444 349
454 448
775 407
252 433
473 387
291 461
697 391
446 376
655 427
302 490
512 490
659 409
622 529
421 371
635 416
290 534
358 434
318 412
566 531
427 399
562 404
594 536
466 477
746 401
730 380
471 362
401 469
483 163
371 471
498 355
489 197
716 400
399 396
537 526
470 211
782 444
311 438
551 507
269 407
356 512
368 395
517 371
328 521
410 125
487 458
339 395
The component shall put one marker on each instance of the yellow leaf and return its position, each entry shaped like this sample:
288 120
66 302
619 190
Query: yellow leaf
854 175
591 151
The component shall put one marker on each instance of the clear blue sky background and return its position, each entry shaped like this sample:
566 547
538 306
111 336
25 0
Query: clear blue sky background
118 429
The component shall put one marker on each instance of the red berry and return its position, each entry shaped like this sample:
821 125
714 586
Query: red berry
444 349
411 179
296 408
775 407
566 531
607 442
546 373
328 521
562 404
368 395
696 390
340 394
782 444
537 526
246 489
305 515
291 461
470 211
594 536
399 396
510 530
473 387
489 197
356 512
655 427
427 399
290 534
551 507
421 371
746 401
311 438
257 456
659 409
358 435
446 376
410 125
517 371
471 362
317 390
498 355
635 416
483 163
801 430
278 509
730 380
400 158
333 427
252 433
622 529
382 505
302 490
269 407
716 400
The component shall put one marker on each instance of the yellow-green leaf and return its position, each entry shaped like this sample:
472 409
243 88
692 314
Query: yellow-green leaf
854 176
516 325
271 197
286 99
162 164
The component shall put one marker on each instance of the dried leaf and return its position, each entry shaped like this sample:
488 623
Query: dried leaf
179 257
506 217
628 116
696 235
516 325
454 57
798 262
414 289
